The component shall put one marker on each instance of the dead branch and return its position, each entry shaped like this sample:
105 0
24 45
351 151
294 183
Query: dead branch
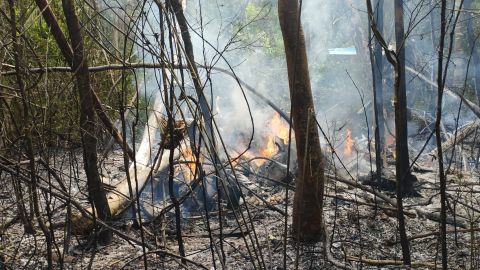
461 135
428 215
374 262
101 68
472 106
168 253
425 235
128 66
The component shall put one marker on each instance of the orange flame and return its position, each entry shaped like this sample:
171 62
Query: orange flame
347 149
279 128
270 149
390 143
276 128
188 156
389 139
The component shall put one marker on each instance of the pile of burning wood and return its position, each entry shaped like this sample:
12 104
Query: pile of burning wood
197 183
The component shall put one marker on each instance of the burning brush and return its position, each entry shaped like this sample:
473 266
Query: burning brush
349 142
171 141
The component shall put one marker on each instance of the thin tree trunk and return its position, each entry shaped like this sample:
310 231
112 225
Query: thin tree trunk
308 201
87 119
441 76
67 53
177 8
433 71
27 221
18 56
400 104
404 182
376 61
392 57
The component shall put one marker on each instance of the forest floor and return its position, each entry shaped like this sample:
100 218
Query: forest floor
360 226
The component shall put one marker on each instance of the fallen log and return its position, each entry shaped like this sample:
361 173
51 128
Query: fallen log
472 106
461 135
379 263
65 197
120 198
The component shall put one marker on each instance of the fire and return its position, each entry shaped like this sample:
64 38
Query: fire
279 128
276 128
390 143
270 149
188 156
348 146
389 139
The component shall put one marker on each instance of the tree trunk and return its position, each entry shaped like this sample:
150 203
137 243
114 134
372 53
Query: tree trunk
376 61
433 64
119 199
400 104
404 180
205 110
308 201
441 76
67 53
96 191
393 58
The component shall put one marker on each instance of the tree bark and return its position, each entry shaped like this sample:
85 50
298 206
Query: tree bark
441 75
400 104
404 180
308 201
377 74
393 58
96 190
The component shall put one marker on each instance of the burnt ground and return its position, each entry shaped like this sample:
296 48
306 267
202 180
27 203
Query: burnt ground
360 226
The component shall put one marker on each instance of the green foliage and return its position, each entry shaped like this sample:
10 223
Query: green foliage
52 98
259 27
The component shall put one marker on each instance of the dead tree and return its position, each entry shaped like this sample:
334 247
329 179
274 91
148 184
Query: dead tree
443 180
308 201
376 62
177 9
402 169
402 163
441 79
96 190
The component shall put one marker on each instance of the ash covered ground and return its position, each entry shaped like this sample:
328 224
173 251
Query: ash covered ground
360 226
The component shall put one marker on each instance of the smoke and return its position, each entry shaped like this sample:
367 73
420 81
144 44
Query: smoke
326 24
245 35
